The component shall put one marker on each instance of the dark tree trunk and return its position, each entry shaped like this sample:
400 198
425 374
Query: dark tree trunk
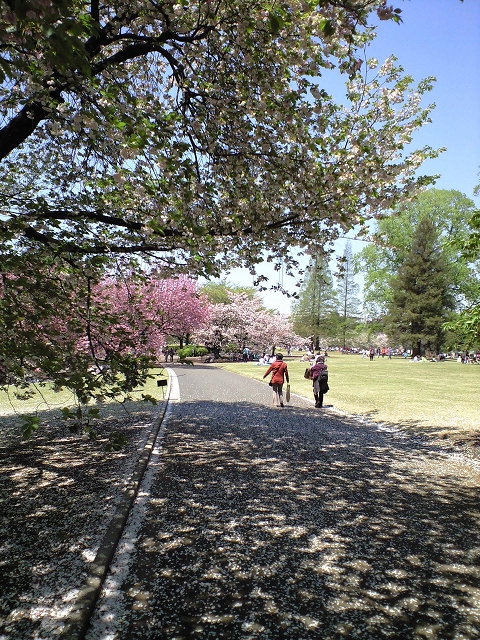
23 125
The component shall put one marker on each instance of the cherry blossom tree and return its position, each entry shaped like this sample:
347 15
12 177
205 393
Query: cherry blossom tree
186 138
243 321
176 306
178 131
57 326
96 338
279 333
225 325
144 313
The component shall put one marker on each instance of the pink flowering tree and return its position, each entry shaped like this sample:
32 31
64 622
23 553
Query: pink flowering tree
279 332
243 321
133 328
149 311
100 338
175 306
225 325
66 334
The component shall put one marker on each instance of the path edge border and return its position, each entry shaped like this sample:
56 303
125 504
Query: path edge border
77 622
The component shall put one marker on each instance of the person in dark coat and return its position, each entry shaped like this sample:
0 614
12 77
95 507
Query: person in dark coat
320 380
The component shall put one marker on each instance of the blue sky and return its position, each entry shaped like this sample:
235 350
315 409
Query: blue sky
442 38
438 38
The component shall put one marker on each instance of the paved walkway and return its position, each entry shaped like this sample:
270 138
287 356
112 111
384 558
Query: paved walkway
257 522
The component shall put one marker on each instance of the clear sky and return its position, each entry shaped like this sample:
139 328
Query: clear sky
438 38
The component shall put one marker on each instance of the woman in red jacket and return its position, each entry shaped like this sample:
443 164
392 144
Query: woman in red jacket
279 374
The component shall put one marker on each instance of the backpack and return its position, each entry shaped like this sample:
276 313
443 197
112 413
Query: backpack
323 380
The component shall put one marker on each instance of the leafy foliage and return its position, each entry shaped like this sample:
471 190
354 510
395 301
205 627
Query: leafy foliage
81 419
466 325
116 441
451 213
219 292
147 397
30 426
191 351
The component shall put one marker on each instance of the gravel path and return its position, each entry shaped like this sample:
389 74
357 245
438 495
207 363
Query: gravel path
293 523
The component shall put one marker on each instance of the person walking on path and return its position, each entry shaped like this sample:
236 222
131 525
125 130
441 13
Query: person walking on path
320 380
279 372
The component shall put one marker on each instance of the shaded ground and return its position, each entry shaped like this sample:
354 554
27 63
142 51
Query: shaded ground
465 443
295 524
57 495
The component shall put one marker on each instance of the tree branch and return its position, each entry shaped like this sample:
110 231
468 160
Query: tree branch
95 10
90 215
20 127
23 124
61 246
133 51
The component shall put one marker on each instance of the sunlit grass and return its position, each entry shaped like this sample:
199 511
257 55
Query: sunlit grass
439 398
45 398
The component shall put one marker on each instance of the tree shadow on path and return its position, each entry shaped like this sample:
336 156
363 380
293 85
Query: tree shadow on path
293 524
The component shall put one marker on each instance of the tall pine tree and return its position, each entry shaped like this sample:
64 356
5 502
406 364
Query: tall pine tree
347 290
314 313
421 297
451 212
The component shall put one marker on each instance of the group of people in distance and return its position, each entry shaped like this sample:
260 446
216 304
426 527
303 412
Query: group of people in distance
279 371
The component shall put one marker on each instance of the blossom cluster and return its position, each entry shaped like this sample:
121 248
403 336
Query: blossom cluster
244 321
198 134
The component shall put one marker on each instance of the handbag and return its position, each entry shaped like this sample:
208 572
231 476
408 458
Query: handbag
308 374
270 384
287 393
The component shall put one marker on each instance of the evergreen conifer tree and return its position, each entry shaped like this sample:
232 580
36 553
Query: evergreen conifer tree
314 313
421 297
451 211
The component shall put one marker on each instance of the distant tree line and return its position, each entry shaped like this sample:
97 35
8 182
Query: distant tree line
421 281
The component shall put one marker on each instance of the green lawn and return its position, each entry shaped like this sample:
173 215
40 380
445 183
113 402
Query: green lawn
441 399
46 399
